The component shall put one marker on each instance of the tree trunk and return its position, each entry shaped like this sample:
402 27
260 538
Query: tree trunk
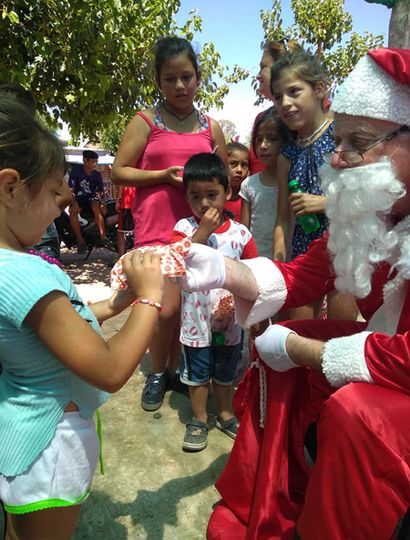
399 27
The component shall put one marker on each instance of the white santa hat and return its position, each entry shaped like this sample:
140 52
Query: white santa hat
378 87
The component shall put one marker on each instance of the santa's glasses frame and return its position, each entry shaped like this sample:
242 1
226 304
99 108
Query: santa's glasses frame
354 156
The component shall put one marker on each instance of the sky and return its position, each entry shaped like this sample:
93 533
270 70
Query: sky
235 28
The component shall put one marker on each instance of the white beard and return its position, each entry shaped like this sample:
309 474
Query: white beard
359 200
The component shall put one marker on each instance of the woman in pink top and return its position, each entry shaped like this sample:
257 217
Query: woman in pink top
154 149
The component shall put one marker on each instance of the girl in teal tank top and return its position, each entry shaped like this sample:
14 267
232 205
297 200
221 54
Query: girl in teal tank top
55 367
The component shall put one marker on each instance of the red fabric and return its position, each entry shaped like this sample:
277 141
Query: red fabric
224 525
361 448
395 62
235 208
311 276
359 486
250 251
127 197
388 357
177 236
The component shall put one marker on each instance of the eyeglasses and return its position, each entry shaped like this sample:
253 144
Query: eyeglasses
353 156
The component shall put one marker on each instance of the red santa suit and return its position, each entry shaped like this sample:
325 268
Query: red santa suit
363 435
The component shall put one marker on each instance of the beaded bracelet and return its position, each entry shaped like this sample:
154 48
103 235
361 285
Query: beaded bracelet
148 302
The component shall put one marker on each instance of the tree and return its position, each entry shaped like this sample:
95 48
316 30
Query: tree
90 62
399 27
229 130
320 27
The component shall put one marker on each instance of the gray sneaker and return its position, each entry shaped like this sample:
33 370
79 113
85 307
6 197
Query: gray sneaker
196 436
154 391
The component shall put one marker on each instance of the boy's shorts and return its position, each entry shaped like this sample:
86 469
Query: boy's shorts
62 473
201 364
125 221
85 203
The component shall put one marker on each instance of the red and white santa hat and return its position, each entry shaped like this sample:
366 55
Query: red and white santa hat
378 87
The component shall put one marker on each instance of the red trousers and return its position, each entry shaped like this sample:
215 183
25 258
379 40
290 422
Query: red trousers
360 484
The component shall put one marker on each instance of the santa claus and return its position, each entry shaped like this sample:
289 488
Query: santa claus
349 379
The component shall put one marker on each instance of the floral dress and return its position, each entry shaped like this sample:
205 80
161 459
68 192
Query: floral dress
304 165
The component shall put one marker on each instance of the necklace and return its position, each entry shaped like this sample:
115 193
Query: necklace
312 135
47 258
181 119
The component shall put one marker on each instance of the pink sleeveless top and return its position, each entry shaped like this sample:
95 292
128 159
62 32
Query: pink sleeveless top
157 208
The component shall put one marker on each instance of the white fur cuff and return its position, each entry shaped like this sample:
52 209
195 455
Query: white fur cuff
272 293
344 361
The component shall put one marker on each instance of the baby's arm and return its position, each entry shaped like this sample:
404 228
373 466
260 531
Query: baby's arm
104 364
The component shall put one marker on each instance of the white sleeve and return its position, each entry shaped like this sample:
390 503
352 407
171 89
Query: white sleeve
272 292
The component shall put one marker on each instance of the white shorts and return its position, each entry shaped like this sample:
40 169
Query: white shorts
61 475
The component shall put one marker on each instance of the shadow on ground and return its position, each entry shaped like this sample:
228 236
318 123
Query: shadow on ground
151 510
92 270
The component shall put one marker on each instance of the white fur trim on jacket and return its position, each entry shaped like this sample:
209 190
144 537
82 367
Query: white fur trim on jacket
344 361
272 293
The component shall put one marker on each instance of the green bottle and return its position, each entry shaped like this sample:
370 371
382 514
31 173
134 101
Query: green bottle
218 339
309 222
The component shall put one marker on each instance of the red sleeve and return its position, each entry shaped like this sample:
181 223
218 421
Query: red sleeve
388 360
250 251
388 357
309 276
177 236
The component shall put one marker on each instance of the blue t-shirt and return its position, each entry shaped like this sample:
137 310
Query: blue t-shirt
304 164
85 186
35 386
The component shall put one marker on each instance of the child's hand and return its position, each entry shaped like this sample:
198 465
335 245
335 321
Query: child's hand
120 300
173 176
210 221
144 274
306 203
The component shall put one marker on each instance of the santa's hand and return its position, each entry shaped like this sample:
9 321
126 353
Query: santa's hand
205 269
271 347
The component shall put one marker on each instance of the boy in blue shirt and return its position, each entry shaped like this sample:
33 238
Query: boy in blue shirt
87 185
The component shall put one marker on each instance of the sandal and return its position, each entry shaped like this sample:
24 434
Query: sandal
196 436
230 426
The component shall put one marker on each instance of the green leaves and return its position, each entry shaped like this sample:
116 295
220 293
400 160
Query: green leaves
90 62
